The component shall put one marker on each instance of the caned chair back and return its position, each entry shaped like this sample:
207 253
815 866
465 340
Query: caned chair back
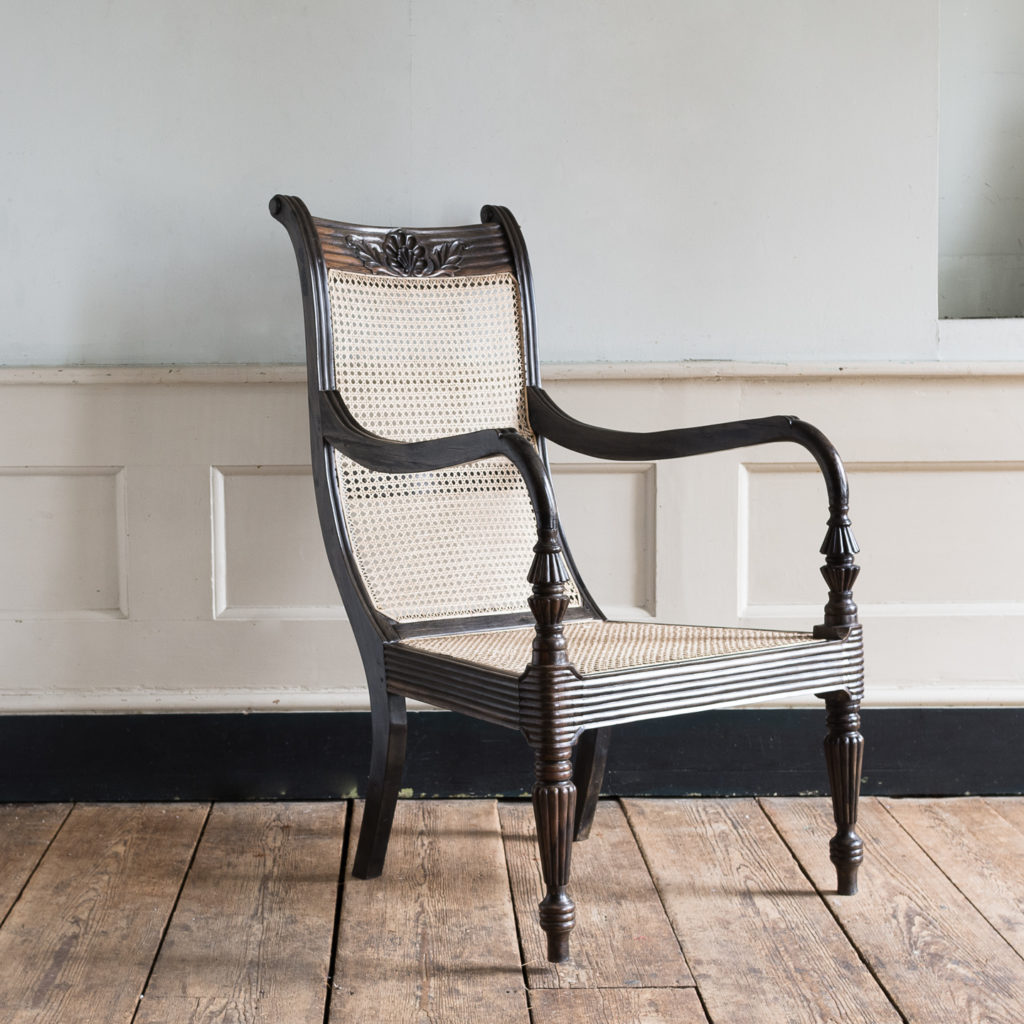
425 336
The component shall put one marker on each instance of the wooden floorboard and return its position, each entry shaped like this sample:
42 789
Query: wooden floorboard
81 940
617 1006
434 938
1009 807
179 914
622 937
760 943
25 833
250 939
978 850
940 960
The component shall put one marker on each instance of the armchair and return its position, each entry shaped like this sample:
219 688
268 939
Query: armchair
427 430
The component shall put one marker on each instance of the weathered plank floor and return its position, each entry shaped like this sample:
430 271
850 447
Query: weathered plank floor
689 912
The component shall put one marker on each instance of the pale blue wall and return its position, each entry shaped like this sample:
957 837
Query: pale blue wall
732 180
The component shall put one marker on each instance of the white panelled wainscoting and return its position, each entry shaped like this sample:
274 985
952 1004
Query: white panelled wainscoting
161 550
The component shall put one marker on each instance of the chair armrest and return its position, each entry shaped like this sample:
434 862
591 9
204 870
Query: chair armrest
549 420
386 456
839 545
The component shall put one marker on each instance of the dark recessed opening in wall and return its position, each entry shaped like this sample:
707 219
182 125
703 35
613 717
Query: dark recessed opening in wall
981 159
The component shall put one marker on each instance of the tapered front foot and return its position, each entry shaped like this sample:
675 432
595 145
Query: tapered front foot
844 756
846 876
557 918
554 805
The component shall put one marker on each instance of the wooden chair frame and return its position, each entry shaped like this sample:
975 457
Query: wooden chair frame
545 702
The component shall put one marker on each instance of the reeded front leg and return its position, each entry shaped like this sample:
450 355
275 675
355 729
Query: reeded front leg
554 805
548 724
844 755
844 745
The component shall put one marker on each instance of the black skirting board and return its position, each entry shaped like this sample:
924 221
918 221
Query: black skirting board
324 756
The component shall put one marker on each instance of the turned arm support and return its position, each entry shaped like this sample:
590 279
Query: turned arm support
839 545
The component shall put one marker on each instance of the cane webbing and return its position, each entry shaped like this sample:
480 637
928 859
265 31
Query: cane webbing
421 358
595 646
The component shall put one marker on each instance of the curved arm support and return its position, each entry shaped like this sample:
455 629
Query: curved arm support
386 456
839 545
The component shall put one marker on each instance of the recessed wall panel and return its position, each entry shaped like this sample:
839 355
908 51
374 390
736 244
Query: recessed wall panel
269 556
62 550
607 512
933 535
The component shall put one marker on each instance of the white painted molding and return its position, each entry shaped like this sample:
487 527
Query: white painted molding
188 510
695 369
211 373
721 370
997 338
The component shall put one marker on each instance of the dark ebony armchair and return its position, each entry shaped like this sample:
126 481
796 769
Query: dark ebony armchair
427 426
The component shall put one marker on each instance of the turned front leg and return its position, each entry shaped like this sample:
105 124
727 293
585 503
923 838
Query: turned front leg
844 755
547 723
554 807
844 745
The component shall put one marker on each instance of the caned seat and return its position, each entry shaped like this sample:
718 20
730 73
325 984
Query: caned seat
427 429
602 646
627 671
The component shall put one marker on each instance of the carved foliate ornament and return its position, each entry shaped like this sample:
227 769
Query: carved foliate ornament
403 255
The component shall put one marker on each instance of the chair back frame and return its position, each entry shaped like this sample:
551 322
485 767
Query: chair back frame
495 245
